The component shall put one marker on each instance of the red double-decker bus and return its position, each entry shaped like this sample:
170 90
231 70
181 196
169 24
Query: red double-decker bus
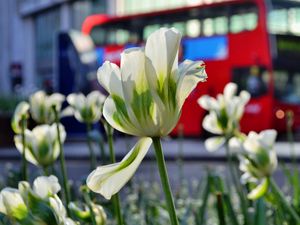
253 43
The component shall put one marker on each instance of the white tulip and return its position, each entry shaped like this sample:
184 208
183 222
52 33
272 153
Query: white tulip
258 159
146 95
42 147
86 109
41 106
147 92
46 186
21 111
12 203
225 113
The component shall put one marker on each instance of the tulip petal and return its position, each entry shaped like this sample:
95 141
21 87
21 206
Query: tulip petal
108 180
207 102
135 87
68 111
46 186
161 52
229 91
56 99
28 139
191 73
77 101
109 76
95 97
260 190
162 49
268 137
214 143
12 203
244 99
210 123
235 145
116 114
21 110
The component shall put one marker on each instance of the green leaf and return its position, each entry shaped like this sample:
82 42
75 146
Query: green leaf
229 209
260 212
204 197
220 208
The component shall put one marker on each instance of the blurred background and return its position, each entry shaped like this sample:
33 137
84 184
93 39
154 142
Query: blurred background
57 45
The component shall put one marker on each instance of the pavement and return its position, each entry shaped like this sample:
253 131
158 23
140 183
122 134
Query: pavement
189 149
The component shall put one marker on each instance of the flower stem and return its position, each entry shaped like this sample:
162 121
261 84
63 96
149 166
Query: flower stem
89 142
165 180
62 163
238 187
102 151
88 201
24 161
116 197
288 207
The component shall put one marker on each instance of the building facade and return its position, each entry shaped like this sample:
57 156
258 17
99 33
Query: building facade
28 32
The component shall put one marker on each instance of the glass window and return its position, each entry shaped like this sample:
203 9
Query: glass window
278 21
122 36
294 20
150 29
250 21
181 26
254 80
236 23
208 27
221 25
45 46
287 86
193 28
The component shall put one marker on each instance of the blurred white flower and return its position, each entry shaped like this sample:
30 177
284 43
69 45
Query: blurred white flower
21 111
46 186
147 92
12 203
82 212
41 106
86 109
42 147
258 159
224 116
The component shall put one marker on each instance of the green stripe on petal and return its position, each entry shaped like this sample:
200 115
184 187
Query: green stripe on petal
121 115
142 105
260 190
116 114
108 180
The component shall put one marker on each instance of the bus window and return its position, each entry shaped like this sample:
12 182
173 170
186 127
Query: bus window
294 15
122 36
236 23
99 36
193 28
150 29
181 26
208 27
254 80
287 86
250 21
278 21
221 25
